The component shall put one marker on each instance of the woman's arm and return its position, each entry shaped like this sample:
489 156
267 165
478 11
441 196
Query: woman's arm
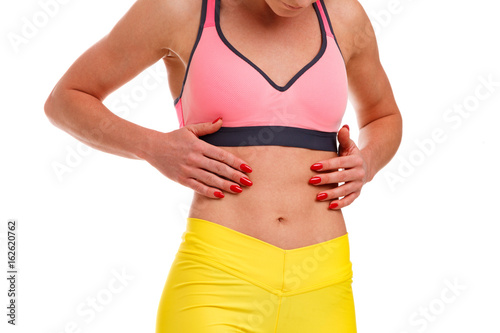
378 116
144 35
137 41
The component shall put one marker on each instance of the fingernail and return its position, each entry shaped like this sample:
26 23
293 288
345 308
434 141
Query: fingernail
245 168
317 166
347 126
216 120
315 180
235 188
219 194
321 196
246 181
333 205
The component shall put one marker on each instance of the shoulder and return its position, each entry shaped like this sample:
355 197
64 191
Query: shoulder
170 9
165 20
184 16
348 12
352 26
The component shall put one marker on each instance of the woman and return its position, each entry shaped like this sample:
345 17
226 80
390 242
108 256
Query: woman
260 88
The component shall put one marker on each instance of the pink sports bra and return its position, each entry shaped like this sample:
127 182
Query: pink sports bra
220 81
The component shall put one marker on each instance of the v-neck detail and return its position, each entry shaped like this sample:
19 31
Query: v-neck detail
257 68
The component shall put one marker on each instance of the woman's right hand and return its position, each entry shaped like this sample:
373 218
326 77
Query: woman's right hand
207 169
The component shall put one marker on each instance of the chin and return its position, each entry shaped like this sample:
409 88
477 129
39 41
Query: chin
283 12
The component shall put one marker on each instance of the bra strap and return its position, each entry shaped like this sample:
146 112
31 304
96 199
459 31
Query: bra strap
325 17
210 13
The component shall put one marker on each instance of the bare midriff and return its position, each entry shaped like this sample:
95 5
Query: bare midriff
280 207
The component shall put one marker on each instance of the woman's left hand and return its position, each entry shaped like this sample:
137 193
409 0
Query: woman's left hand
353 174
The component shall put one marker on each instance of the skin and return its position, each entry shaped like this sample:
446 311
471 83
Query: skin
281 206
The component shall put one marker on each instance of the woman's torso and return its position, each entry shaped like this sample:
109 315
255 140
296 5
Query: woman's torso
280 207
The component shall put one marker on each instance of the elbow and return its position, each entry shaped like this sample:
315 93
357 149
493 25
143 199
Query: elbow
50 108
397 129
399 122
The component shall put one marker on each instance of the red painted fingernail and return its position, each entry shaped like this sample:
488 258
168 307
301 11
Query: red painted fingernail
219 194
315 180
321 196
235 188
333 205
246 181
347 126
317 166
216 120
245 168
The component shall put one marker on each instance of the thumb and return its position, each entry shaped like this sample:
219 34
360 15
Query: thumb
201 129
345 142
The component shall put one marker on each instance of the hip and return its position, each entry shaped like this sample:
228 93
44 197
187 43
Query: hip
225 281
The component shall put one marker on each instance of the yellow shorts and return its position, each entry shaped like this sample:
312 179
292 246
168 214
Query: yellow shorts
224 281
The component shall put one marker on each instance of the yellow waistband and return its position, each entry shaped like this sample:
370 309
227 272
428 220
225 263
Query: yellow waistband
277 270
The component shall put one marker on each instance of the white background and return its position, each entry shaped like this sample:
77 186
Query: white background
427 221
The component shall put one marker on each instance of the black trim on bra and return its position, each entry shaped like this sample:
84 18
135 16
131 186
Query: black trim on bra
296 76
331 27
272 136
198 37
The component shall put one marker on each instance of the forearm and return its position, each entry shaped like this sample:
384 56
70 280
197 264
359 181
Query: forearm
87 119
378 141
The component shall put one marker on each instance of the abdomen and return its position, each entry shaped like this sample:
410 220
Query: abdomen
280 207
